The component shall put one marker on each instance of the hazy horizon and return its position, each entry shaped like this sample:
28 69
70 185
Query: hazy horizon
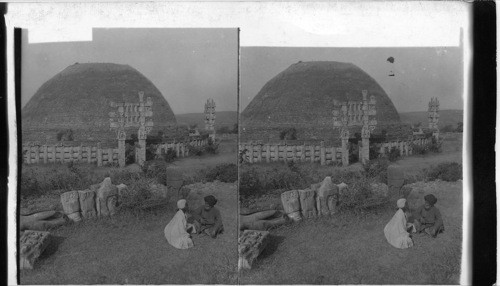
188 66
419 73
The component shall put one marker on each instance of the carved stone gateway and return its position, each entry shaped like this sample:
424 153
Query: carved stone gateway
250 245
355 113
210 117
291 204
31 245
132 115
434 117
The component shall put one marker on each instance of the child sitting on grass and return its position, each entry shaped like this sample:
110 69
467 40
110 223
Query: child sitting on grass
207 218
428 218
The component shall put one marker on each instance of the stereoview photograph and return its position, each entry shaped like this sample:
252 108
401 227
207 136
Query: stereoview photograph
129 158
350 165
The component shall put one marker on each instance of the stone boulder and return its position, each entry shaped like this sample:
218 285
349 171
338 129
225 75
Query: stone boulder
71 205
327 197
379 189
31 245
308 203
291 204
41 220
343 188
250 245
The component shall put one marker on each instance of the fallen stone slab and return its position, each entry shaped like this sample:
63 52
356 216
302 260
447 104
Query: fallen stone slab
257 216
250 245
32 244
264 224
41 221
257 208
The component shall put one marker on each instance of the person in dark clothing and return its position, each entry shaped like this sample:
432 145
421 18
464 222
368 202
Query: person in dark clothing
428 218
207 218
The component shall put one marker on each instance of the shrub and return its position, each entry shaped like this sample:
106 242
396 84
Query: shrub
195 150
156 169
65 135
249 183
377 169
288 134
212 147
449 171
435 145
393 154
227 173
168 156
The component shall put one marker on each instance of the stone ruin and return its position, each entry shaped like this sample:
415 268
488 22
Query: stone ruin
319 200
250 245
100 200
31 245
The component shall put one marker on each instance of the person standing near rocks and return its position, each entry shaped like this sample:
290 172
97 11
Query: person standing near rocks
207 218
428 217
176 230
396 230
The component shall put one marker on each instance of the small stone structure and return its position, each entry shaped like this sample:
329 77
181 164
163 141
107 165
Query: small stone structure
210 117
132 115
327 197
31 245
250 245
100 200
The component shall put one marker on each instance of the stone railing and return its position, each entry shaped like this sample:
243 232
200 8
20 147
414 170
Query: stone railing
405 147
265 152
35 153
181 148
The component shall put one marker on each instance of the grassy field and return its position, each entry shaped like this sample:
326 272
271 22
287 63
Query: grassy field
350 247
130 248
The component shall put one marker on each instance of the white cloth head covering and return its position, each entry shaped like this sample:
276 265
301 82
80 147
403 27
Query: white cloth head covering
181 204
401 203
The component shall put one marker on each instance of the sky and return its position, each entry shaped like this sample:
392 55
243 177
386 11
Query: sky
188 66
419 73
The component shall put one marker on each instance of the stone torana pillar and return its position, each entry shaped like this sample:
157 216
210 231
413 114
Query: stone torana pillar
434 117
344 136
210 117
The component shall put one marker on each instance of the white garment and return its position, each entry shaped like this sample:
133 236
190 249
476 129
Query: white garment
175 232
395 231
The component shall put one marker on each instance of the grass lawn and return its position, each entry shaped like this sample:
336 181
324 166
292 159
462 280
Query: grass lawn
132 249
348 249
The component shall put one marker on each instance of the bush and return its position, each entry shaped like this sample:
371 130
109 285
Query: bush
249 183
377 169
212 147
65 135
195 150
288 134
168 156
227 173
449 171
393 154
156 169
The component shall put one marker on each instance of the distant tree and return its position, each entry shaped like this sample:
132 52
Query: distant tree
235 128
288 134
193 126
65 135
448 128
417 125
223 130
460 127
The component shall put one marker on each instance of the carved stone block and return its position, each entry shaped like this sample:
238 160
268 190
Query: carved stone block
105 192
342 188
87 204
250 245
327 197
308 203
291 204
32 244
71 205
